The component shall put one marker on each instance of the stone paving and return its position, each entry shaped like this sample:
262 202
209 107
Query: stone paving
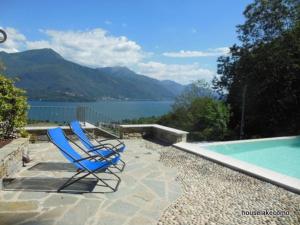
146 190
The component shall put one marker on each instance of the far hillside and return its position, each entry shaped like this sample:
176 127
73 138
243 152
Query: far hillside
46 75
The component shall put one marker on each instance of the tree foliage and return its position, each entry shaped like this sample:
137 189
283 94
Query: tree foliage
268 64
199 88
267 20
205 118
197 111
13 108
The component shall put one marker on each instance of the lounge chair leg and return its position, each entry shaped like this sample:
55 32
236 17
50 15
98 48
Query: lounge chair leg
113 189
70 182
122 166
119 179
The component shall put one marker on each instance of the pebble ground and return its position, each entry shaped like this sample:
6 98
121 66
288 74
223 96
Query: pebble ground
216 195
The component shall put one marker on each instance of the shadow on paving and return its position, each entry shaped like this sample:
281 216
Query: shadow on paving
46 184
53 166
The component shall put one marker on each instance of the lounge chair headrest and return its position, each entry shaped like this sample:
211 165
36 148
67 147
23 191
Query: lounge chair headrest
58 138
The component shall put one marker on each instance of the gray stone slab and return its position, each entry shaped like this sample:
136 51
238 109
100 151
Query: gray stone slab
8 195
18 206
110 219
32 195
172 196
142 196
156 186
13 218
81 212
52 214
154 214
60 200
139 219
123 208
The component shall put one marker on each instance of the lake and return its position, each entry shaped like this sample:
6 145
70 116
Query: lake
105 111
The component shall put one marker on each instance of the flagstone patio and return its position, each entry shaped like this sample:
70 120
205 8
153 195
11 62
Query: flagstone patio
147 188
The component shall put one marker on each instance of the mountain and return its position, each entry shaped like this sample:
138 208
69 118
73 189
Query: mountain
46 75
172 86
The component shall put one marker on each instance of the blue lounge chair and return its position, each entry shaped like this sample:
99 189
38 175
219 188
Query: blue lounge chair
89 165
102 147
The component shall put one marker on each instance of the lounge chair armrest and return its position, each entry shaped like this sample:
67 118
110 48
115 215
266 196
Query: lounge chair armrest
111 139
98 147
109 148
95 157
109 145
88 157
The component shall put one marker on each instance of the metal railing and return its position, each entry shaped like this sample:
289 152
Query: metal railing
62 115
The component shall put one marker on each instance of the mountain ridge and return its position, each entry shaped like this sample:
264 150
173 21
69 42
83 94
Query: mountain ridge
46 75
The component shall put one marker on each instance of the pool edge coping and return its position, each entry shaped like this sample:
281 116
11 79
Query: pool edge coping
287 182
245 140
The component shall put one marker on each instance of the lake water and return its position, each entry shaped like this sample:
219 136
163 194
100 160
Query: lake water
106 110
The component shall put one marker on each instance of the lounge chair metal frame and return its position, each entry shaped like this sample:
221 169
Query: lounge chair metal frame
95 148
70 181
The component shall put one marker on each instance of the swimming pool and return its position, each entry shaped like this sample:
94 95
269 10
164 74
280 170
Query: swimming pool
276 160
280 155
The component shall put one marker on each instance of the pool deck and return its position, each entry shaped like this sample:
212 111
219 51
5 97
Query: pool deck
160 185
287 182
147 188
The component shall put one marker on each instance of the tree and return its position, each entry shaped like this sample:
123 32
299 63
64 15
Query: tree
209 119
267 63
193 91
267 20
205 118
2 67
13 110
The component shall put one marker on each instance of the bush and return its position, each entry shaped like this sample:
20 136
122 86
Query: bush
209 118
13 110
205 119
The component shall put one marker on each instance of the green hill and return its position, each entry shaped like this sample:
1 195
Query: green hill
45 75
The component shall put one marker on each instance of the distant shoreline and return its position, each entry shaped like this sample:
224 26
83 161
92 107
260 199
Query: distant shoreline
110 100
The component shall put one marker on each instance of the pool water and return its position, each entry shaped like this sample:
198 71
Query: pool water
279 155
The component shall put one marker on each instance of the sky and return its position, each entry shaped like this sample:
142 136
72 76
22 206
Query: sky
167 39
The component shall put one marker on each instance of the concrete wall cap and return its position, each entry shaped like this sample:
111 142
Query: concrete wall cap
173 130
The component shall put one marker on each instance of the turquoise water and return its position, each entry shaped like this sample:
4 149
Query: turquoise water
282 156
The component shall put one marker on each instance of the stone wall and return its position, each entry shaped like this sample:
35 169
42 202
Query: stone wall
11 157
154 131
135 132
40 133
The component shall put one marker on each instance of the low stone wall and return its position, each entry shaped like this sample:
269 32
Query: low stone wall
40 133
11 157
157 132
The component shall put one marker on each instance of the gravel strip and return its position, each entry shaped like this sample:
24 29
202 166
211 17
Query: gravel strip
214 194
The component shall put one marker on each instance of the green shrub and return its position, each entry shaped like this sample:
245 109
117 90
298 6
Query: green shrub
33 138
209 117
206 119
24 133
13 110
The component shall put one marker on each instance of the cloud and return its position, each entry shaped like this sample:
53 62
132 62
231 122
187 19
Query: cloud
15 41
190 54
97 48
182 73
93 48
